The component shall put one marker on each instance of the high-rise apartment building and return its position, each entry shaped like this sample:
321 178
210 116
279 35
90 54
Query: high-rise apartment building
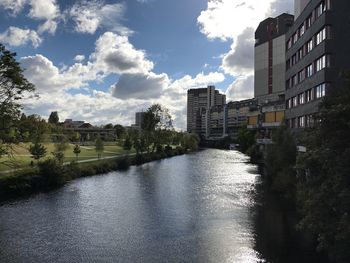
317 52
199 103
270 63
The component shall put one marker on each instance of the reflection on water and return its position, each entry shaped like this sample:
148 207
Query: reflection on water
193 208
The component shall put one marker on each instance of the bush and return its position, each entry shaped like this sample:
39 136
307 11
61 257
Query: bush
124 163
52 173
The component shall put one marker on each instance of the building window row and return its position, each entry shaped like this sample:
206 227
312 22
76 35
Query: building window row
323 34
301 122
307 96
315 14
317 65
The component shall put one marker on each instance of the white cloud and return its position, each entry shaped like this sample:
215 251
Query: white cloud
88 16
242 88
140 86
15 36
240 59
114 53
14 6
44 9
79 58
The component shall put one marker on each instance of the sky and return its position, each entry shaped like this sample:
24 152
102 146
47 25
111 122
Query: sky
103 60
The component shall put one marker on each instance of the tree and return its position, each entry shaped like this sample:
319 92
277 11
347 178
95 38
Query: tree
99 146
156 120
127 144
13 87
246 138
324 182
190 141
37 150
120 131
76 150
54 119
108 126
60 147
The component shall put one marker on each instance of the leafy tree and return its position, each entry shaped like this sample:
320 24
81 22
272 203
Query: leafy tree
324 181
60 147
13 87
190 141
53 118
37 150
127 144
120 131
77 150
108 126
99 146
246 138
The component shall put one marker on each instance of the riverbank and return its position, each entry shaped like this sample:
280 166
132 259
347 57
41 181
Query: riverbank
50 174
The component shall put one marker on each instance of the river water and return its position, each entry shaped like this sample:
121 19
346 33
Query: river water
190 208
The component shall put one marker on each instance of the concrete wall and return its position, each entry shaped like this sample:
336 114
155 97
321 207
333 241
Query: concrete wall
261 70
279 64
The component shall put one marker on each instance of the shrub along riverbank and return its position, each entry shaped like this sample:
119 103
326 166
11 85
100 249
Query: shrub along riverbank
51 173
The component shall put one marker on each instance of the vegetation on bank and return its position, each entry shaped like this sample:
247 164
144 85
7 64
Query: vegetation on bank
34 152
316 183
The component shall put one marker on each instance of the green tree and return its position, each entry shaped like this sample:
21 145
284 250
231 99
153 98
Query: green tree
108 126
324 182
13 87
53 118
77 150
120 131
190 141
60 147
246 138
37 150
127 144
99 146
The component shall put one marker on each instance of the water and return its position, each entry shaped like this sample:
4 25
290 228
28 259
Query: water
192 208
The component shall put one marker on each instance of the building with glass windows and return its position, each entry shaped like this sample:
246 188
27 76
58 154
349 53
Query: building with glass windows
317 53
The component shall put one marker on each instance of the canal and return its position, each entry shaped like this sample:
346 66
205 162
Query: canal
191 208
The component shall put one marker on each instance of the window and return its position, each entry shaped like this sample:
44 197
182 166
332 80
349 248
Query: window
300 53
295 80
309 95
295 38
309 70
301 75
321 63
289 43
308 22
294 101
294 59
320 9
288 64
301 122
320 91
309 46
289 104
302 29
288 84
301 98
320 36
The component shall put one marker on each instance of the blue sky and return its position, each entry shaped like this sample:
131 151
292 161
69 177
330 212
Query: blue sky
100 61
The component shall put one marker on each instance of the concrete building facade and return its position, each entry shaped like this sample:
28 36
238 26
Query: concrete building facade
269 58
199 103
317 53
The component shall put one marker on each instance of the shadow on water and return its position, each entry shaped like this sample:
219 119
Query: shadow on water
276 237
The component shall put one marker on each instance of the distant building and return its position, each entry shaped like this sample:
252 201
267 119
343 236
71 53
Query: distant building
139 117
270 62
317 54
199 103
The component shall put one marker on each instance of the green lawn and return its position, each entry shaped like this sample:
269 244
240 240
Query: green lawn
21 157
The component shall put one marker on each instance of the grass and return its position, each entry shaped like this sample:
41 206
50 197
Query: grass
21 157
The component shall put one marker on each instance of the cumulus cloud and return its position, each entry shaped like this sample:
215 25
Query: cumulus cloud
88 16
240 59
14 6
79 58
140 86
15 36
242 88
116 54
44 9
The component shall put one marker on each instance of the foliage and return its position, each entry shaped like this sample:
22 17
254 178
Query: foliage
108 126
60 146
32 128
246 138
52 172
77 150
37 150
99 146
53 118
120 131
127 144
13 87
324 181
280 162
190 141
